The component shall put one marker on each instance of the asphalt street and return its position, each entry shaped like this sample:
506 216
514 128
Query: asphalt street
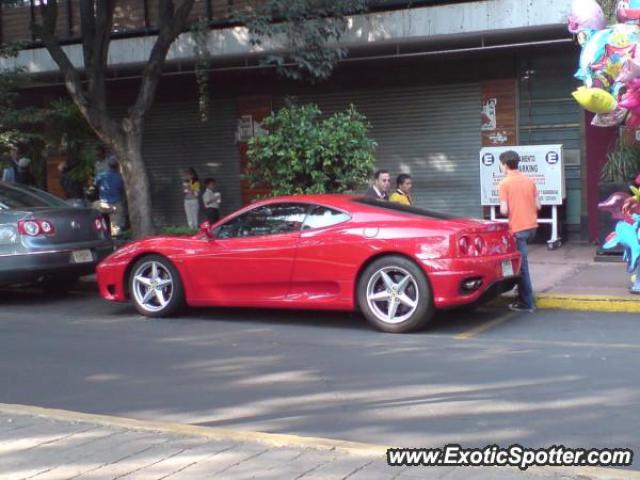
488 377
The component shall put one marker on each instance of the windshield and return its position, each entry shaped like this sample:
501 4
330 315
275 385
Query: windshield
398 207
14 196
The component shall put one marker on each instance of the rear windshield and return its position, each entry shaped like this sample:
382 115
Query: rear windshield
398 207
12 197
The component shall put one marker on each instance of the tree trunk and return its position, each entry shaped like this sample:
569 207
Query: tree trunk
129 152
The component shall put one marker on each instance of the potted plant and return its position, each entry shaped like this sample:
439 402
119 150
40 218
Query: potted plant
618 174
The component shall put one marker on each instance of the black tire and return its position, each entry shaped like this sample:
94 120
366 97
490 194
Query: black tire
173 293
406 318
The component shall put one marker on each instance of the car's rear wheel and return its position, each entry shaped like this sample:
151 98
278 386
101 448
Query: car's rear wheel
155 287
394 295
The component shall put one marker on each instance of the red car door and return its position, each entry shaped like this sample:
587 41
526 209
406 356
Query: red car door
249 262
327 258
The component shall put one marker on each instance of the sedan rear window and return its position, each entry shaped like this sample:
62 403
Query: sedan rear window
26 197
398 207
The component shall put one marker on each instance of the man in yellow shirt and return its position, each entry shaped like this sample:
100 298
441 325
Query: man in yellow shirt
403 192
519 200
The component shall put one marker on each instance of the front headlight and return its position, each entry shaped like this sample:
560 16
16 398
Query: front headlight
8 234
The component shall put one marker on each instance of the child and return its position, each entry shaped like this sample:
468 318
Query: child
191 191
211 200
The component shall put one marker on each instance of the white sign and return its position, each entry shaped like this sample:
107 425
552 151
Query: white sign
542 163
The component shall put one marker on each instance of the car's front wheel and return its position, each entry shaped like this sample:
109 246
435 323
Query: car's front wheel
394 295
155 287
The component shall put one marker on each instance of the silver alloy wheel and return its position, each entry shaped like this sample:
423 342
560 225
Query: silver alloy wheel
152 286
392 294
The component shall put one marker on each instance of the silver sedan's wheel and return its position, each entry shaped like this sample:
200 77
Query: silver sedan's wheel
155 286
394 295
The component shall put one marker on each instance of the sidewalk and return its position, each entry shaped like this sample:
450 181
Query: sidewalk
569 278
56 444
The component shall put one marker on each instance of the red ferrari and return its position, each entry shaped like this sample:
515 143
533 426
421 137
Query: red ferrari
396 264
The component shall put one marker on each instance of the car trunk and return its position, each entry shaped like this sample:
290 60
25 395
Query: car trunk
71 225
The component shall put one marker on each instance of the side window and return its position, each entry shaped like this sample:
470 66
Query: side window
271 219
324 217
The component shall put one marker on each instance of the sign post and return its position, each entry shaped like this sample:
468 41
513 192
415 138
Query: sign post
543 164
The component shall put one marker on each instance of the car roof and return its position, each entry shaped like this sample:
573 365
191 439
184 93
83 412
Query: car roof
334 199
40 195
359 203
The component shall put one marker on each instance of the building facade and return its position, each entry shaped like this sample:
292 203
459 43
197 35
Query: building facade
438 80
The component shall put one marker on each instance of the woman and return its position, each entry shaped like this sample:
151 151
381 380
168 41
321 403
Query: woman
191 191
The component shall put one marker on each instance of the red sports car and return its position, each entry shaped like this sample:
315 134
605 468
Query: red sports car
397 264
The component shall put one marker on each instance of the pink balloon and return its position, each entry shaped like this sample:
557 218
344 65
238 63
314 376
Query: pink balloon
586 14
630 70
633 120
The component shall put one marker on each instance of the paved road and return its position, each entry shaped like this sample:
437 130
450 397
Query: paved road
475 379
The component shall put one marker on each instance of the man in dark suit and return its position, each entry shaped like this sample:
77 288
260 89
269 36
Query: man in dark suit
380 188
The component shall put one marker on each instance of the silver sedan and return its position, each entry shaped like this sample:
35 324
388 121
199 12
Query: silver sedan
45 240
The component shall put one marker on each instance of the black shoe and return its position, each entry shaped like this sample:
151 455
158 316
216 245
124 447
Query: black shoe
521 307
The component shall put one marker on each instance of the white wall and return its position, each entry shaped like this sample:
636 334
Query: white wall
415 25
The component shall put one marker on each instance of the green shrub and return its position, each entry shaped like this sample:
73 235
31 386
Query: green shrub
302 153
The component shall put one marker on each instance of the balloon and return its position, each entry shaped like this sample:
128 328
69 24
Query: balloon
604 53
630 70
586 14
633 120
593 45
612 119
628 11
631 98
595 100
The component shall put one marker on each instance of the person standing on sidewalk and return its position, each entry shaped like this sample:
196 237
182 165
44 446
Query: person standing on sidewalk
191 191
519 201
211 200
380 188
403 193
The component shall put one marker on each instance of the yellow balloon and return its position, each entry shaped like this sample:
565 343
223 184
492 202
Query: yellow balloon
595 100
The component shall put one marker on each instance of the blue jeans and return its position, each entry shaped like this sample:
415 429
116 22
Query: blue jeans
525 289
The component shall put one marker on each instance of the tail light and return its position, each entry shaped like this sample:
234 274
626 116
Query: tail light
100 224
471 246
463 245
507 241
35 227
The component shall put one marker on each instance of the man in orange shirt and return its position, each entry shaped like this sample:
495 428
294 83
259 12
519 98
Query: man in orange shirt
519 200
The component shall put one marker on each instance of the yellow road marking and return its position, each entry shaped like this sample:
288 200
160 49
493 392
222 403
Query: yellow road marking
565 344
485 326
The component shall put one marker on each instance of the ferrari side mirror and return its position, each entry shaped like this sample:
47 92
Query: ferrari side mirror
205 229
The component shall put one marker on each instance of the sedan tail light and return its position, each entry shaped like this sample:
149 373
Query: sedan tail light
36 227
100 224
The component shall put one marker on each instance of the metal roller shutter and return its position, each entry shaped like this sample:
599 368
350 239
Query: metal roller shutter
549 115
175 139
431 132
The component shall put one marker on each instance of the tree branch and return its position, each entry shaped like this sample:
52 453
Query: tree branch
171 25
101 40
98 117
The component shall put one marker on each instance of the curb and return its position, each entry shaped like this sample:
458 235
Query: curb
282 440
272 439
591 303
579 303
